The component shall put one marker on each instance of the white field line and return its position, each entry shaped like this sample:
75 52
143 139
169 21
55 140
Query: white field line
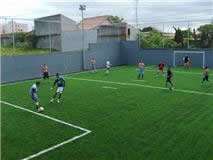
107 87
66 75
86 131
141 80
19 82
145 86
55 147
181 72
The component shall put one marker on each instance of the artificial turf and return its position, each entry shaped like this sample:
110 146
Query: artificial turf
130 121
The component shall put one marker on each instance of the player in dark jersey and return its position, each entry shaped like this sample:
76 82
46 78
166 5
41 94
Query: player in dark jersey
186 60
169 78
205 74
161 66
60 83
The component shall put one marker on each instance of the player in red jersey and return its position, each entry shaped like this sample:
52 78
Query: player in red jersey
161 66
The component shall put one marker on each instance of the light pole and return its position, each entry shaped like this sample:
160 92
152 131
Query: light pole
82 8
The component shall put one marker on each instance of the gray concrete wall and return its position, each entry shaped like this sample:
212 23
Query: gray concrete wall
16 68
103 52
129 51
44 42
132 53
48 25
68 24
72 41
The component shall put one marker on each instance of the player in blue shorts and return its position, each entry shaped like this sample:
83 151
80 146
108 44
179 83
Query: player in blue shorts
60 83
34 96
141 67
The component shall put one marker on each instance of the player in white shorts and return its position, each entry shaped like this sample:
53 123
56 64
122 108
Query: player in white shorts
60 82
34 96
108 65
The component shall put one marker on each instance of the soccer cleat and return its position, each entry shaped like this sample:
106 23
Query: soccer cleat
40 109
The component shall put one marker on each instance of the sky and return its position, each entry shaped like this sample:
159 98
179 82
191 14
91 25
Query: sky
149 11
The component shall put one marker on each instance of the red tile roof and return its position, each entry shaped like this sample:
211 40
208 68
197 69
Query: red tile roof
93 22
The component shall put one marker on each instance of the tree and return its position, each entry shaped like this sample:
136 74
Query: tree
194 35
32 39
206 36
179 36
155 39
149 29
115 19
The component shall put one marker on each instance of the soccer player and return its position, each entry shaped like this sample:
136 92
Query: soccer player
141 67
205 74
93 64
161 66
45 72
108 65
186 60
169 78
34 96
60 82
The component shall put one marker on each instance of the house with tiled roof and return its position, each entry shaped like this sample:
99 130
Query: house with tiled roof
107 30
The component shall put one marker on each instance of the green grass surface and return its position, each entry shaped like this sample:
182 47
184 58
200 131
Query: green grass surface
22 51
132 122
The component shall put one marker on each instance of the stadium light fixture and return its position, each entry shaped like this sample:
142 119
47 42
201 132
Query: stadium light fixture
82 8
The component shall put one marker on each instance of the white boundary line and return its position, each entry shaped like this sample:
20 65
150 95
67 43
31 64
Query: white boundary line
65 75
150 69
145 86
86 131
107 87
141 80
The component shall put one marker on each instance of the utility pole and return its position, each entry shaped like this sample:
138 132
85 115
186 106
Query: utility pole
188 36
82 8
136 21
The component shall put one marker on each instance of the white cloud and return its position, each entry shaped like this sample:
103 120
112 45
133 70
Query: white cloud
148 10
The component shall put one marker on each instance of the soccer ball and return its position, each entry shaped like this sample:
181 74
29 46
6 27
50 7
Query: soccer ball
40 109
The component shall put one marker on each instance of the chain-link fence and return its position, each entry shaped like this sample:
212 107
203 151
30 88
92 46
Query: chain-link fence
177 34
56 33
61 34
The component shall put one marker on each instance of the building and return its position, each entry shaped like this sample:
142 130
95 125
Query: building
13 26
107 30
49 30
61 33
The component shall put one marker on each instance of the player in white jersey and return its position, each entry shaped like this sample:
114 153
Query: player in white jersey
108 65
34 96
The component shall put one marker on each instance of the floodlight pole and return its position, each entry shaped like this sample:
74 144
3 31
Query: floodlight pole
188 37
136 21
82 8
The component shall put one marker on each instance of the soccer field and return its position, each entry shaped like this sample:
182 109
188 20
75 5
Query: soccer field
111 117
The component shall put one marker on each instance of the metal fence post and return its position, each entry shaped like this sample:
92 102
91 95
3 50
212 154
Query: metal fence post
163 35
188 37
13 37
50 45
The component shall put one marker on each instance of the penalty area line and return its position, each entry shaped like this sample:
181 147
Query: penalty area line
86 131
